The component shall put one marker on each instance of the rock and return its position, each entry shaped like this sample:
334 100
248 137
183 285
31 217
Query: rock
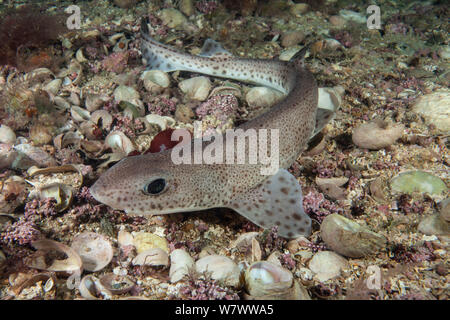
172 18
444 209
262 97
144 241
292 38
196 88
327 265
434 225
348 238
377 134
418 181
434 108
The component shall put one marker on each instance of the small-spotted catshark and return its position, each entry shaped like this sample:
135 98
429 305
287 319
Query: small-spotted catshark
153 184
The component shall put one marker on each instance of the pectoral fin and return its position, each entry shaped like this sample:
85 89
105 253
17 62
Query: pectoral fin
212 48
275 202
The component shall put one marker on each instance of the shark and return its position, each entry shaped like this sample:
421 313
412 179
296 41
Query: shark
153 184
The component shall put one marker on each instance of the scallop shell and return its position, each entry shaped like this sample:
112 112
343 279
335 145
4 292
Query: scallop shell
94 250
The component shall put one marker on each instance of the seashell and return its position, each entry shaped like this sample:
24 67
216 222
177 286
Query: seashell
7 135
13 193
91 289
330 98
155 81
444 209
327 265
80 56
265 280
418 181
61 103
227 88
41 73
131 110
196 88
116 284
89 130
104 116
119 142
125 93
74 98
348 238
116 37
172 18
377 134
187 7
125 238
67 139
53 86
287 54
220 268
94 101
434 225
79 114
93 149
48 277
121 45
262 97
144 241
40 135
152 257
244 240
332 187
75 69
181 264
94 250
72 264
274 258
158 120
31 156
62 193
7 155
33 171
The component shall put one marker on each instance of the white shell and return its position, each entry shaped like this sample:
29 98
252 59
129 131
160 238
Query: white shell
180 264
262 97
80 56
196 88
158 120
79 114
221 268
155 80
119 142
7 135
53 86
330 98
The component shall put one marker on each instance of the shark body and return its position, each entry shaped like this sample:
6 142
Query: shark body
153 184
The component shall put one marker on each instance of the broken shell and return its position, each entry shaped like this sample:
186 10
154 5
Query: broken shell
244 240
90 130
7 135
152 257
61 102
53 86
265 280
48 277
125 238
94 250
262 97
125 93
79 114
158 120
91 288
332 187
330 98
155 81
94 101
31 156
40 135
116 284
348 238
377 134
74 98
93 149
61 192
104 116
197 88
119 142
72 264
220 268
7 155
180 265
80 56
13 193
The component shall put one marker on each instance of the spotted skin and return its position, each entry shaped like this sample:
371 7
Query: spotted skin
238 186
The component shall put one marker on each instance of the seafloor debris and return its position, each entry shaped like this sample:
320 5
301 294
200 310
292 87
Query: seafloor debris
74 102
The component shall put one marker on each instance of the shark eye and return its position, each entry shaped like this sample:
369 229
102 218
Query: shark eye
155 187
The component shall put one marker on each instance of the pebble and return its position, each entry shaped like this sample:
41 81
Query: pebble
348 238
434 225
327 265
292 38
418 181
377 134
434 108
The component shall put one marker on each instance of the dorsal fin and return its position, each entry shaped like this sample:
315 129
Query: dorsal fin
213 48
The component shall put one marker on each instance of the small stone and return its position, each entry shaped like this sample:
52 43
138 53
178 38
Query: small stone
292 38
434 108
337 21
144 241
444 209
298 9
418 181
348 238
377 134
327 265
7 135
434 225
172 18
